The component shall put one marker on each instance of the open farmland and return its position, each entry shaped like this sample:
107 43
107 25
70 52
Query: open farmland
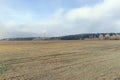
60 60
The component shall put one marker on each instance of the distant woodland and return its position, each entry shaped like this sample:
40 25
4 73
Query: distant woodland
90 36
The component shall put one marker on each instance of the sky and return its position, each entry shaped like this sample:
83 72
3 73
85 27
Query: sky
34 18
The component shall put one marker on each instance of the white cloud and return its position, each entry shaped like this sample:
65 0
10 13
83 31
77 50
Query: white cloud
102 10
102 17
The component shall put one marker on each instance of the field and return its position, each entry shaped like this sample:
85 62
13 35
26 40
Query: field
60 60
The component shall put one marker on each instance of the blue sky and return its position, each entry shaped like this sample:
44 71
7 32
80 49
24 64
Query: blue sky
58 17
43 9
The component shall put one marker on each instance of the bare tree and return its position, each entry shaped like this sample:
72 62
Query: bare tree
117 37
101 37
107 37
113 37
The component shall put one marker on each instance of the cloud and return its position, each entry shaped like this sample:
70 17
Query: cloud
101 17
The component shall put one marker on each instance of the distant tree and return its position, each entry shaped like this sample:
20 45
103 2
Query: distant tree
107 37
101 37
117 37
113 37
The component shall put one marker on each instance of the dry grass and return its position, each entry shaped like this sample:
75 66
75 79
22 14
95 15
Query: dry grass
60 60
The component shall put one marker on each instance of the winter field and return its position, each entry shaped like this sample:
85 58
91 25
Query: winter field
60 60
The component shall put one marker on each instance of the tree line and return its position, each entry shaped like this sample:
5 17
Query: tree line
89 36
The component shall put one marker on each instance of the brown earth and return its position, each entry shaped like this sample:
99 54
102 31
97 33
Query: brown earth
60 60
